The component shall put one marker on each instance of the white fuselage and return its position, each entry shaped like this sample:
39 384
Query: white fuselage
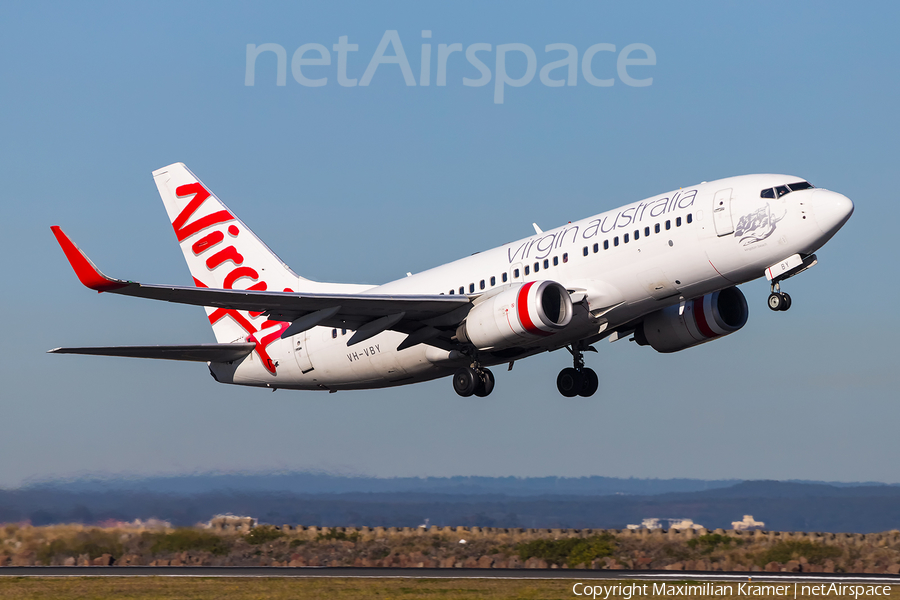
619 266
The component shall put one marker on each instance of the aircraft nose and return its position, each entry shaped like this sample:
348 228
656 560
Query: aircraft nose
831 210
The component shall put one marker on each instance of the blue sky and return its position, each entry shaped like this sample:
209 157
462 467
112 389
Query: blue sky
363 184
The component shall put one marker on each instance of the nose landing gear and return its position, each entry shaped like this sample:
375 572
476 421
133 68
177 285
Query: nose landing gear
473 380
778 300
789 267
577 380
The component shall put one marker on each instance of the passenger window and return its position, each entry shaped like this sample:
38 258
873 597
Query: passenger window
515 274
637 234
343 332
462 290
616 241
668 225
565 257
656 228
546 264
555 261
585 251
781 190
646 231
690 218
481 284
471 288
527 270
606 244
452 292
596 248
493 281
537 267
625 238
678 222
769 193
504 277
334 333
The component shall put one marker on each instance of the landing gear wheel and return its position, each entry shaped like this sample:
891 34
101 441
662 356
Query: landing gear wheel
465 381
485 384
787 301
776 301
589 384
569 382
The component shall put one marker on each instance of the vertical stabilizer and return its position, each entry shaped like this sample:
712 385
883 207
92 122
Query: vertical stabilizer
221 252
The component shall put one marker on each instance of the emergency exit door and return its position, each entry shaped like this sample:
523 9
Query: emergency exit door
301 351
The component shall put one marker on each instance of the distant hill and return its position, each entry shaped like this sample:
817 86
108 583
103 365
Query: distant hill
501 502
794 489
321 483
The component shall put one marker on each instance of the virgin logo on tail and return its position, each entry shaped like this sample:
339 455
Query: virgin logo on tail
217 259
183 231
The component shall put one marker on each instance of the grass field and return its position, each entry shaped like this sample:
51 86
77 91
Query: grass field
140 588
215 588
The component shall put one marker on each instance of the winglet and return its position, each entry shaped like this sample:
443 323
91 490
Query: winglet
87 273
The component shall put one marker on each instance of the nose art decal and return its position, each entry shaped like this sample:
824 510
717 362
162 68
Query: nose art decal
757 226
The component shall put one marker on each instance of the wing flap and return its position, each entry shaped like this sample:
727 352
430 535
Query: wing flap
365 306
191 352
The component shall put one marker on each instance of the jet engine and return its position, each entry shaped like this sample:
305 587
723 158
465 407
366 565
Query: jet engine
517 315
702 319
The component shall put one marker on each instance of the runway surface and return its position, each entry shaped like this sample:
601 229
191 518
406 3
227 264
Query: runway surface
375 572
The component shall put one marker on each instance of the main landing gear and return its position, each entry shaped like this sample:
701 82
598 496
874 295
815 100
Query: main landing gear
473 380
779 300
577 380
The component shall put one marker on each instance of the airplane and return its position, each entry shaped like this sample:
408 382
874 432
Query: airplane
662 272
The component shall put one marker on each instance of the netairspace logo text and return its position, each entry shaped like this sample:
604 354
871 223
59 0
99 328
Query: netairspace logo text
560 65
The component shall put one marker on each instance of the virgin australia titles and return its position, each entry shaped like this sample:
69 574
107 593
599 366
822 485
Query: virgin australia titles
307 62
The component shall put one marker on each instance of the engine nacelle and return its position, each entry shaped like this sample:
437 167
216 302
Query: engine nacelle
705 318
517 316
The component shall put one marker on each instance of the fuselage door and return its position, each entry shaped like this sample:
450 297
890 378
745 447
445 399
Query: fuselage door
301 352
722 213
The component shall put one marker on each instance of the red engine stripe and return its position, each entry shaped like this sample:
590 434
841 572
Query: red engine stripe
700 319
522 309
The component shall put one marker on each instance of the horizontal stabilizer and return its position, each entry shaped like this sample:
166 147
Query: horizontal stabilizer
192 352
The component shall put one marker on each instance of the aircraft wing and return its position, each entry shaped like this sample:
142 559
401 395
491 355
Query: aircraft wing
369 314
194 352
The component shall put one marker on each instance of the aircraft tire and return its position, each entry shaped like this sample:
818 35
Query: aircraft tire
776 302
787 301
589 384
465 382
485 385
569 382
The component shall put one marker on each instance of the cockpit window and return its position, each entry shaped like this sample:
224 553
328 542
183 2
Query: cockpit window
800 185
781 190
